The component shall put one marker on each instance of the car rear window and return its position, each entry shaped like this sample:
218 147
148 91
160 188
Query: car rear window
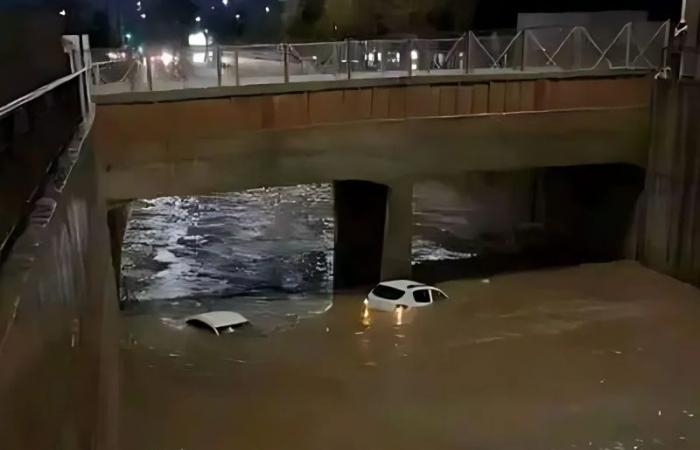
421 296
387 292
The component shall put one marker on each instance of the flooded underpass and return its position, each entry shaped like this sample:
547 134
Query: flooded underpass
597 356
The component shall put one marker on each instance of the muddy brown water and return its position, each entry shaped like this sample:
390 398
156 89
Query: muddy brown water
603 356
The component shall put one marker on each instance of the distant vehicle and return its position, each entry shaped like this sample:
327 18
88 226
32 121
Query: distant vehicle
218 321
389 295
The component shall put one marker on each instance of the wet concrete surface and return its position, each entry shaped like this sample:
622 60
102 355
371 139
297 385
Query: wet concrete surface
598 356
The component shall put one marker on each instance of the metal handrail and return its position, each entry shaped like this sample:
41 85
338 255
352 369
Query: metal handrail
500 50
35 94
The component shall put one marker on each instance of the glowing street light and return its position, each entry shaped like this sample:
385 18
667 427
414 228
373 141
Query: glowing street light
143 15
197 19
238 17
62 12
225 2
267 9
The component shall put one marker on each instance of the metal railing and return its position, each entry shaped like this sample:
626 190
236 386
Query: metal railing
542 50
35 129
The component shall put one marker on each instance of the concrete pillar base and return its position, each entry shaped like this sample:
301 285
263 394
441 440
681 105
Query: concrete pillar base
117 220
360 209
373 232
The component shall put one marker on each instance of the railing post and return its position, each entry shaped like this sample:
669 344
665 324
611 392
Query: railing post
410 60
578 47
629 46
217 57
523 59
467 51
348 60
381 55
285 48
84 93
149 71
237 73
430 59
337 52
667 41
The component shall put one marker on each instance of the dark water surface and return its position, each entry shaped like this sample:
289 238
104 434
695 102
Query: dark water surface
601 356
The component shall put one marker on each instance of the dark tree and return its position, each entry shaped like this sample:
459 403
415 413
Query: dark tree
100 31
169 21
309 21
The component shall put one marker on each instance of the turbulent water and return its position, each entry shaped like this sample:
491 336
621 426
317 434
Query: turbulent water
598 356
267 253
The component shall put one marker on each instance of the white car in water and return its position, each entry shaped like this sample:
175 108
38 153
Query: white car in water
389 295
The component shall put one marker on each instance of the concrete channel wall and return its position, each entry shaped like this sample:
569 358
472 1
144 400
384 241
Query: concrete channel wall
669 216
58 311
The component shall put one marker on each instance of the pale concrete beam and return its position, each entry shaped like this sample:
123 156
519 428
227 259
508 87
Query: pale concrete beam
326 106
448 100
357 104
497 97
380 103
480 99
422 101
397 103
465 100
512 100
527 96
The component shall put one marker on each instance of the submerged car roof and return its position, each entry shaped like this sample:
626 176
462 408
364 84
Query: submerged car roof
403 284
218 319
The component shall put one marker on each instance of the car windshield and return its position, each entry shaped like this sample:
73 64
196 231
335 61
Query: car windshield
387 292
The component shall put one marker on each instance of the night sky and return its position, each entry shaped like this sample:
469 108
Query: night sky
489 13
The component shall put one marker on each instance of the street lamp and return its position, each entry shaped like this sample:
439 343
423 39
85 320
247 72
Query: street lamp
267 10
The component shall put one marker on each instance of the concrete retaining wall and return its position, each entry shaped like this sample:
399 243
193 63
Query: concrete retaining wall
58 305
669 226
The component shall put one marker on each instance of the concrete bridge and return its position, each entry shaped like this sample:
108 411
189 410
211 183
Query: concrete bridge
373 138
387 133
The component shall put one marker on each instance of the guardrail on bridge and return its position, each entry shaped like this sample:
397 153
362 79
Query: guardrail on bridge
542 50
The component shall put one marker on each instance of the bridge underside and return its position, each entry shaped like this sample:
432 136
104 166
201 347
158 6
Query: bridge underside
373 144
378 151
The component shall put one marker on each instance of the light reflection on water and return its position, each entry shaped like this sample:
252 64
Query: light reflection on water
266 253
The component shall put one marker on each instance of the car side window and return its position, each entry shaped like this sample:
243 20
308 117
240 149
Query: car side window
437 295
421 296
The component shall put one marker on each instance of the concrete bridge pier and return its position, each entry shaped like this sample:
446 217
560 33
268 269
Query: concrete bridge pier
373 231
398 231
117 220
